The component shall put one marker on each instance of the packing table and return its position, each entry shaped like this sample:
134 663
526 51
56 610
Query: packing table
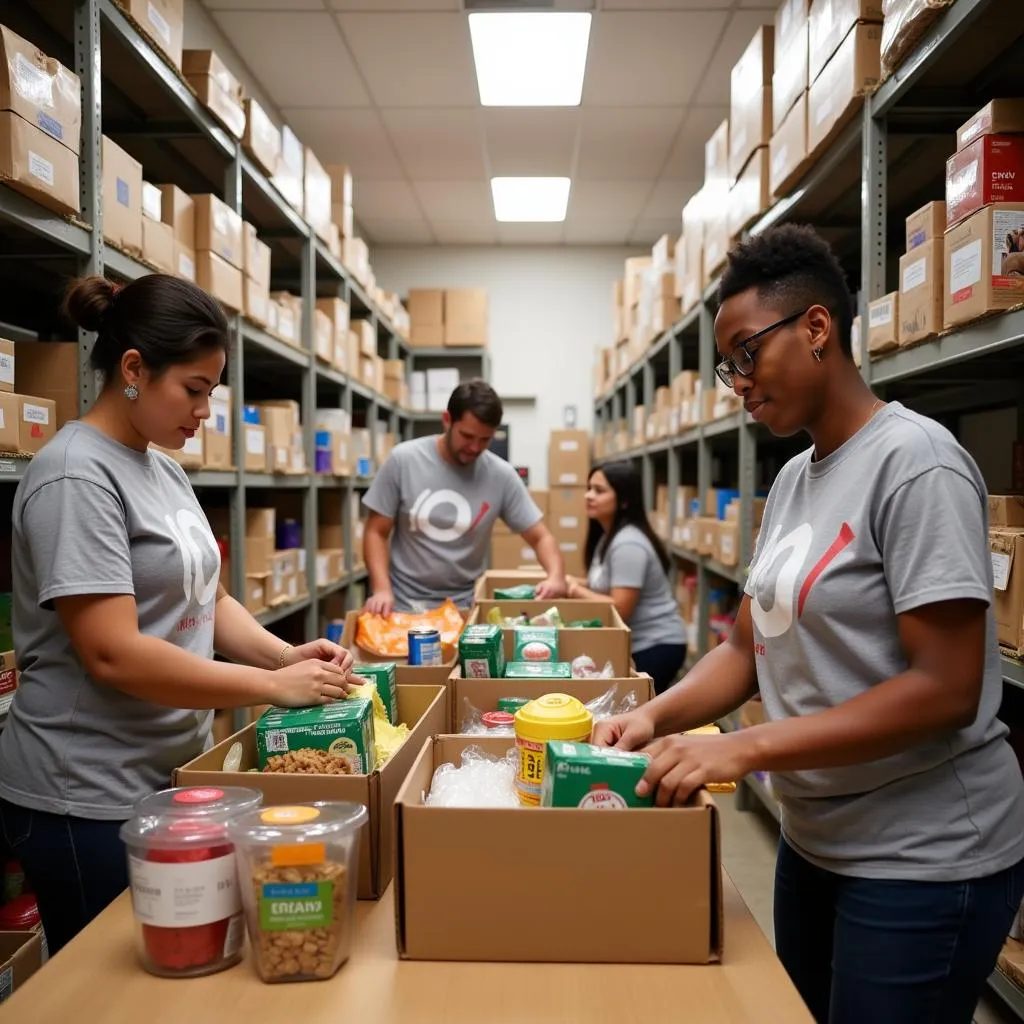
97 978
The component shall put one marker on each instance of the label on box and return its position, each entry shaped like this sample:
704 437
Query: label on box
159 23
186 268
881 314
300 906
568 446
1001 562
569 479
184 894
41 168
914 274
220 418
1008 242
255 442
124 193
193 445
965 267
6 369
298 462
36 414
31 82
568 522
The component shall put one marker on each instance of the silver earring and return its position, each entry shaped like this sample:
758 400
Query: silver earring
131 392
817 354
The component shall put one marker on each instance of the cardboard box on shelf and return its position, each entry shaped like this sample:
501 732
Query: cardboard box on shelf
750 195
256 302
1006 510
567 512
255 256
367 337
750 108
789 157
831 21
190 456
122 198
179 211
990 170
217 88
21 955
163 21
255 594
674 921
1007 549
47 369
281 418
997 117
222 280
790 75
921 292
925 224
184 262
341 183
790 17
323 337
255 447
217 430
981 270
26 423
7 364
511 552
716 240
317 195
716 154
262 138
158 244
426 314
218 229
568 458
883 320
153 203
344 219
288 178
838 92
465 318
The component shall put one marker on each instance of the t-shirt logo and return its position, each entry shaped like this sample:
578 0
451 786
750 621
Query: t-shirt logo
774 578
186 526
457 515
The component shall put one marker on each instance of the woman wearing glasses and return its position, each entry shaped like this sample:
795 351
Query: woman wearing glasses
867 627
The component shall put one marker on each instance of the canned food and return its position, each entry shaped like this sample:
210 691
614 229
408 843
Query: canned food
424 647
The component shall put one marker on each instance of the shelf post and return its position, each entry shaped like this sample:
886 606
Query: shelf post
706 356
873 193
310 503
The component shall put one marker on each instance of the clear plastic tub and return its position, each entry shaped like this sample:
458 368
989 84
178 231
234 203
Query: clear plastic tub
184 879
298 868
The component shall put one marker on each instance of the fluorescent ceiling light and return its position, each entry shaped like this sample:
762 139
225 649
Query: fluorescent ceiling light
530 199
530 60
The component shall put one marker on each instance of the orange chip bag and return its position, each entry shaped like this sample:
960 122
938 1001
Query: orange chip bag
389 637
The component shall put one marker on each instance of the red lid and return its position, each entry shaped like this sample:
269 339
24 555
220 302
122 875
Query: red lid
199 795
497 719
21 914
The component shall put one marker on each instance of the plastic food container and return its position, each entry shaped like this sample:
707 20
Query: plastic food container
184 879
555 716
298 867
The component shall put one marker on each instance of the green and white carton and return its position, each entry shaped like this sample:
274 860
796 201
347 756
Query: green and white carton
535 643
592 778
482 652
538 670
343 729
384 675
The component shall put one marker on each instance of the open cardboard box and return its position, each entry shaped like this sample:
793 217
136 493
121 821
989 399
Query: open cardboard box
424 708
499 579
348 641
21 955
573 886
484 694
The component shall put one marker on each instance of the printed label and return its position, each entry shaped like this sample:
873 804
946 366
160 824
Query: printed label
569 479
965 267
477 668
603 800
1001 569
6 369
1008 243
34 84
177 895
235 936
881 314
41 168
569 522
914 274
124 193
159 23
220 418
568 446
186 267
255 442
36 414
297 907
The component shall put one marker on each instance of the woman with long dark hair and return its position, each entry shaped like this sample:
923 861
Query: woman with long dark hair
628 564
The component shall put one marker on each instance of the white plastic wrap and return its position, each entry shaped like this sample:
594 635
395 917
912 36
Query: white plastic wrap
479 781
906 22
600 707
584 667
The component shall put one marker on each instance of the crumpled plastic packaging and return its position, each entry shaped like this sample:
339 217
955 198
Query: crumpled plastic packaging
389 637
387 738
906 22
478 781
584 667
600 707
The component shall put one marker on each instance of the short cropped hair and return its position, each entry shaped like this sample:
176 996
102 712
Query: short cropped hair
480 399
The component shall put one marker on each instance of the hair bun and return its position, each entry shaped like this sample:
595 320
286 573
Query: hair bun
89 300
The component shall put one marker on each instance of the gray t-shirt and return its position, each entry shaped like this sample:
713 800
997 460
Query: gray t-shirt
631 561
894 519
443 518
94 517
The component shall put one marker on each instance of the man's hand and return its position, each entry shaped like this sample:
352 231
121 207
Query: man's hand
381 603
681 764
572 587
630 731
553 586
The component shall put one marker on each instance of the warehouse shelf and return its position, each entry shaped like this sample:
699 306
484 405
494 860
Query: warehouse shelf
213 477
1013 671
277 481
12 470
20 212
448 353
282 611
122 265
268 344
256 188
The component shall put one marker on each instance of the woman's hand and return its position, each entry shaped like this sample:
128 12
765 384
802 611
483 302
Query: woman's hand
320 650
681 764
624 732
572 587
307 683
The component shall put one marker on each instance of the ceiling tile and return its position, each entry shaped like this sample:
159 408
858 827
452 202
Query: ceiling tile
738 33
668 198
387 6
649 59
686 162
531 142
392 231
455 201
615 200
626 144
263 5
324 76
353 137
466 232
438 145
531 234
387 200
597 232
647 232
665 5
414 60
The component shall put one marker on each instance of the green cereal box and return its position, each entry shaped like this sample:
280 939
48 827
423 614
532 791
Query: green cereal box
331 739
522 592
482 652
538 670
383 674
535 643
511 705
592 778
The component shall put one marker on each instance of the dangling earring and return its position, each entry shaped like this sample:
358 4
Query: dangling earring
817 354
131 392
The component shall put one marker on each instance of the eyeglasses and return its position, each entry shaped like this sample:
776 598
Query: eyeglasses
742 359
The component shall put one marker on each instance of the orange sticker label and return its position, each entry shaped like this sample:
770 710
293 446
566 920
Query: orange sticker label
298 854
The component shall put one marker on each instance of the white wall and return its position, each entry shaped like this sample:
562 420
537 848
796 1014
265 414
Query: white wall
550 310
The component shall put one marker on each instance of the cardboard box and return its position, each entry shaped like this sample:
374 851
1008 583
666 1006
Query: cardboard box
217 430
158 244
220 279
256 302
255 257
163 21
255 447
217 88
288 177
997 117
790 18
465 318
981 271
674 915
883 321
716 241
341 183
190 456
122 198
751 195
40 90
254 595
567 511
838 93
568 458
153 203
716 154
21 955
184 262
1006 510
922 293
830 22
262 138
989 170
218 229
750 109
1007 549
789 158
424 708
7 365
26 423
925 224
492 580
9 679
317 195
790 75
50 370
179 211
511 552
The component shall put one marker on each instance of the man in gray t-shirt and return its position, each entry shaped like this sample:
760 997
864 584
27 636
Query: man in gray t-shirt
433 505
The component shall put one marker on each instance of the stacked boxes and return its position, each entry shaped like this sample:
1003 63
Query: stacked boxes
456 318
715 203
217 88
157 237
316 207
178 211
26 422
256 277
122 199
262 138
333 442
342 213
290 171
280 420
1006 540
788 153
216 430
219 249
163 21
337 313
568 473
922 276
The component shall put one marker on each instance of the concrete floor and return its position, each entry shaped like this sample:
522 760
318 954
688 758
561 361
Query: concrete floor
749 840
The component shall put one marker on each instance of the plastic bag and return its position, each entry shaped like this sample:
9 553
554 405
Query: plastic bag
906 22
495 618
552 617
478 781
600 707
387 737
522 592
584 667
389 637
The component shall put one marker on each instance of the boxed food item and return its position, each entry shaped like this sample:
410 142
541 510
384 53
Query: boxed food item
883 318
750 109
122 198
984 263
789 157
925 224
593 778
997 117
217 88
163 21
535 643
921 292
538 670
26 423
482 652
830 21
989 170
330 739
262 138
383 675
218 229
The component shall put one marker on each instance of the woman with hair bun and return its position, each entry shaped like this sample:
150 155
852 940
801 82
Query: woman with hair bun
118 607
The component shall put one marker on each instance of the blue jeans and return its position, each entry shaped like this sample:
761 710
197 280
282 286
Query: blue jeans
883 951
662 663
74 866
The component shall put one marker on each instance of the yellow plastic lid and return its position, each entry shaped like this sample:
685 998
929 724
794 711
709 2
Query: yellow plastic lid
289 815
555 716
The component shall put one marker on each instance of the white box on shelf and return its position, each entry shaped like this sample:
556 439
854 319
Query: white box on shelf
444 379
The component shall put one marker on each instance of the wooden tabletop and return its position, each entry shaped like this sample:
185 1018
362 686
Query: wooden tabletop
97 979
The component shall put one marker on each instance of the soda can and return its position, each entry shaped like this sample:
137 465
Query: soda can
334 631
424 647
